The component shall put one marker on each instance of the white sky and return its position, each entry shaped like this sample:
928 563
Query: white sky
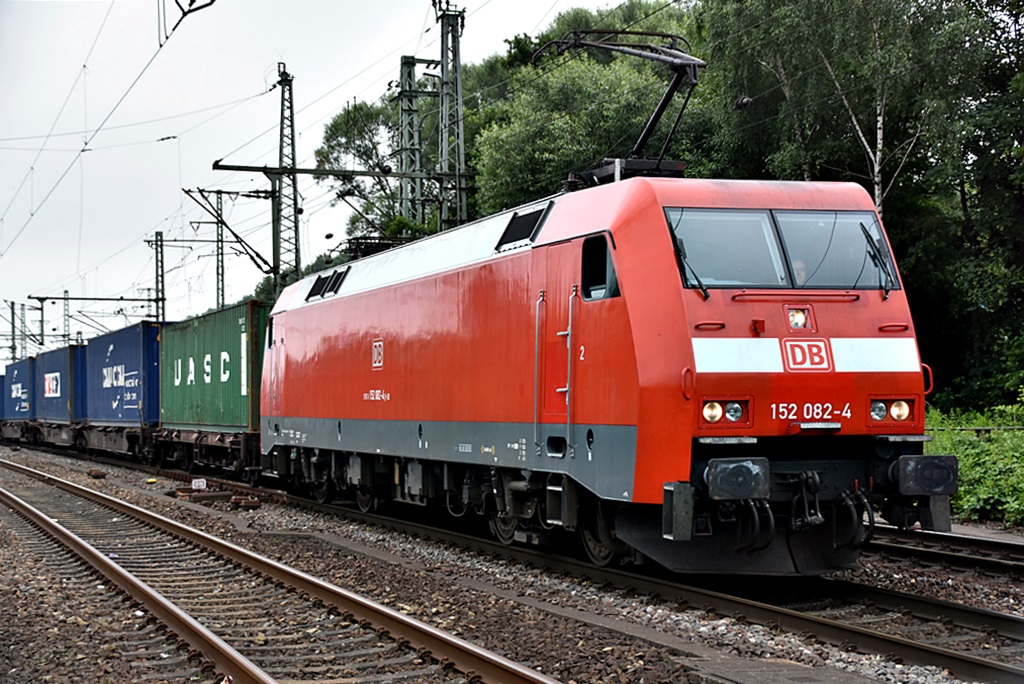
79 221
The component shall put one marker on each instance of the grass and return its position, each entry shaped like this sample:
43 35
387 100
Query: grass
990 448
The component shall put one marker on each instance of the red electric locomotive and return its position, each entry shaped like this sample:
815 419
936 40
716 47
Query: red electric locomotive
719 375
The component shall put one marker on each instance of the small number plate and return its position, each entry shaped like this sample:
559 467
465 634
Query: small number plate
811 411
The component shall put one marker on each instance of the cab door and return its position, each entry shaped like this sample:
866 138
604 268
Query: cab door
556 279
273 368
585 355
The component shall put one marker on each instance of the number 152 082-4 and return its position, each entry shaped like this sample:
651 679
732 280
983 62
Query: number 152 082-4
810 411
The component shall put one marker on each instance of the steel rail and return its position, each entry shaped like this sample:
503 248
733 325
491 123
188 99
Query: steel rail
964 666
997 555
472 660
224 657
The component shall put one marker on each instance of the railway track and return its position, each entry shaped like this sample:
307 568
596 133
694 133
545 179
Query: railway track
995 556
252 618
131 642
972 644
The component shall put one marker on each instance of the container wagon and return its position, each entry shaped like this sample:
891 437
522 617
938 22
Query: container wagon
18 400
210 372
60 387
123 402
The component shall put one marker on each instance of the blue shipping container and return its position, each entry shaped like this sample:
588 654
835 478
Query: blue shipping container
18 388
123 370
60 385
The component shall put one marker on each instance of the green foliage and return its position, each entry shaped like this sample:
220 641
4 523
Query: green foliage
361 137
559 121
990 449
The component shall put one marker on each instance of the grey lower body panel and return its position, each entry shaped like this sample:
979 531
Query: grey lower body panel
602 458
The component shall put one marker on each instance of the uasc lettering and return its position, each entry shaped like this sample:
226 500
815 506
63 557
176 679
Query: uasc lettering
223 371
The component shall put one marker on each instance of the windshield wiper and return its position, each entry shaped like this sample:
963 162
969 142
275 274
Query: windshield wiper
880 260
681 256
700 283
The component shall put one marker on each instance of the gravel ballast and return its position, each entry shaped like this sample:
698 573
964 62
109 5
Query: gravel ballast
522 612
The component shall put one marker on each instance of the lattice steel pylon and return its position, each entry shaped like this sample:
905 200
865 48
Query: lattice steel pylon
454 208
160 298
220 250
289 261
411 140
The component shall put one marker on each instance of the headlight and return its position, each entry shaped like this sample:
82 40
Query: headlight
798 318
733 411
899 410
712 412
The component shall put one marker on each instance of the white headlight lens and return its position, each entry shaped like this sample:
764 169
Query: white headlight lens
712 412
899 410
878 410
798 318
733 411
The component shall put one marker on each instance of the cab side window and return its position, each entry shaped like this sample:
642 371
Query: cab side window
598 276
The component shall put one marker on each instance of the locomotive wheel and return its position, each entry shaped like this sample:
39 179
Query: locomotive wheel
503 527
599 554
598 543
365 501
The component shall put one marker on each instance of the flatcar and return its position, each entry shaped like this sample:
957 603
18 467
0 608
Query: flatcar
718 375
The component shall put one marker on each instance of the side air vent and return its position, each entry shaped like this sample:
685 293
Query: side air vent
522 228
327 285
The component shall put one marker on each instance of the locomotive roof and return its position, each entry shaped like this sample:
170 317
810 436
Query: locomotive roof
594 209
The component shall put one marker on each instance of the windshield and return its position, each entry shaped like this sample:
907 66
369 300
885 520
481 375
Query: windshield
732 248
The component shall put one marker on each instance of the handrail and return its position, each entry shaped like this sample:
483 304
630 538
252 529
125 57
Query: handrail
536 374
796 295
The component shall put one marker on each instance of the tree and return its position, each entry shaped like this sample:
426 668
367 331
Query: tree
362 137
848 89
559 121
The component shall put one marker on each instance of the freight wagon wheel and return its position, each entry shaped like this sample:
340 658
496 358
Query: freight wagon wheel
503 527
365 501
323 491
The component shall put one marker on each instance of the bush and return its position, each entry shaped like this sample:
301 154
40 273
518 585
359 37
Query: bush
991 457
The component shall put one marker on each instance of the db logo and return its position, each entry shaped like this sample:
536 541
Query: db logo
378 354
806 355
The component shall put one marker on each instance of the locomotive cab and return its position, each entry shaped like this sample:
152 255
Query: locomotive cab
806 379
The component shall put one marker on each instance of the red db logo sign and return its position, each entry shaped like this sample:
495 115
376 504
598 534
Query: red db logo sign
378 354
806 355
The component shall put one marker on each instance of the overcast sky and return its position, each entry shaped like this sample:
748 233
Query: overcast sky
90 74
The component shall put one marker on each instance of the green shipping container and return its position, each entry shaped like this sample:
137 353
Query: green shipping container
210 370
